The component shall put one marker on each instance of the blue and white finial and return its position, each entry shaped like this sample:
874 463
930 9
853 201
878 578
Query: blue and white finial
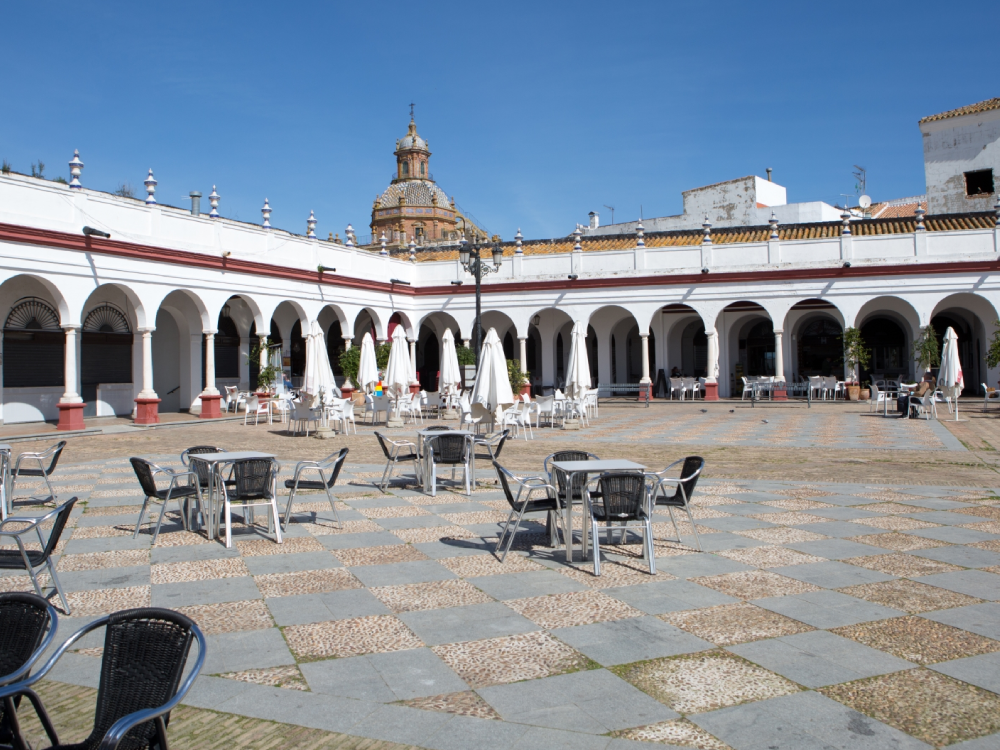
213 200
773 221
150 183
577 235
349 236
845 218
266 213
311 225
75 168
518 250
640 235
383 240
413 251
996 210
920 211
706 227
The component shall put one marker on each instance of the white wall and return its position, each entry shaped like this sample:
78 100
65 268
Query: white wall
955 146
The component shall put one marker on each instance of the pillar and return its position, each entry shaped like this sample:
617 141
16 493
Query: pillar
414 383
262 341
347 387
779 394
210 395
348 340
645 383
526 388
712 381
70 405
147 402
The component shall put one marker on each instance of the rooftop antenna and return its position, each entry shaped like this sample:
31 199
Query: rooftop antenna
612 209
847 200
861 175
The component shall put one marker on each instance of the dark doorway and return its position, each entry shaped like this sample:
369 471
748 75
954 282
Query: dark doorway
428 360
821 348
887 342
757 350
966 354
335 346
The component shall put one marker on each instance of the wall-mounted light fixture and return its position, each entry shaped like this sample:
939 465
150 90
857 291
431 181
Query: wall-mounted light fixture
573 277
91 232
456 283
399 281
705 269
847 264
226 253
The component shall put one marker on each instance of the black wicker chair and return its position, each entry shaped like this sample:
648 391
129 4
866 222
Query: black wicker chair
522 503
27 626
145 652
623 498
146 472
329 466
492 445
449 450
683 489
254 483
29 560
397 451
19 470
561 481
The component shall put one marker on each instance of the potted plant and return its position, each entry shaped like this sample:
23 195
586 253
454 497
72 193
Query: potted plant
926 351
993 353
518 380
856 356
865 392
268 375
350 361
467 364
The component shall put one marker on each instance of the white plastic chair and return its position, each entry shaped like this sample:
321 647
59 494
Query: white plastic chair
409 407
987 395
346 418
302 416
281 406
692 386
257 406
747 389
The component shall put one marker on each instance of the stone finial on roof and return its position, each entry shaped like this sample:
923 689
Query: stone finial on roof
311 225
920 211
383 241
707 229
577 247
640 235
266 213
996 210
413 250
518 250
213 200
773 221
349 236
846 219
150 183
75 168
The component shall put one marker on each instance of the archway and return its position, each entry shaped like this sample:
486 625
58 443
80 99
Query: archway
106 361
694 351
757 349
178 373
227 351
428 359
886 339
967 354
819 347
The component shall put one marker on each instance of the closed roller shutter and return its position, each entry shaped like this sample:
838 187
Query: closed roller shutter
32 359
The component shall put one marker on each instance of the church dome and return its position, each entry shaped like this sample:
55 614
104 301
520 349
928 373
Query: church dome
411 141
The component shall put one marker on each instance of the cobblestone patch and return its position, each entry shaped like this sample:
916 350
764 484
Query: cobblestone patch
897 542
100 560
229 617
909 596
198 570
755 584
346 527
105 601
902 565
178 538
290 545
781 535
895 523
377 634
769 557
433 534
471 566
466 703
283 677
394 511
614 574
306 582
393 553
676 733
471 519
431 595
572 608
729 624
497 661
918 640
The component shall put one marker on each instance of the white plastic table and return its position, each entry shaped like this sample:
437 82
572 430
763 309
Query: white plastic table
593 466
214 460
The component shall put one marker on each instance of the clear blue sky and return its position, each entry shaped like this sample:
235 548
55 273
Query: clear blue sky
536 113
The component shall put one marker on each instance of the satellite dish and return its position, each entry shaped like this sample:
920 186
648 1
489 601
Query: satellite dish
864 201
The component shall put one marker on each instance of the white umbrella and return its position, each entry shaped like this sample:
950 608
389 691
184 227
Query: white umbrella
319 375
368 367
950 373
492 388
578 369
397 372
451 375
275 359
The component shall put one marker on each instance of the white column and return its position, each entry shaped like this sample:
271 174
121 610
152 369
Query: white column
147 364
348 340
71 395
713 355
263 351
413 361
210 389
779 355
645 359
524 353
466 343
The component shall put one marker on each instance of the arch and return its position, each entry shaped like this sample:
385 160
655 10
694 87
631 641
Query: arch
746 344
34 346
28 285
438 321
499 320
368 320
888 325
428 358
545 328
178 349
813 339
32 314
109 358
977 316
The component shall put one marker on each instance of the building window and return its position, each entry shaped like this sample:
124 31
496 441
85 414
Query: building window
979 182
406 169
423 167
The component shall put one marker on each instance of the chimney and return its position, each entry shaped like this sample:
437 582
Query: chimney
595 220
195 202
768 174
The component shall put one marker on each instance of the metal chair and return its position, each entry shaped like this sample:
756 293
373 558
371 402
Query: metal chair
329 466
29 560
560 480
146 473
145 652
623 498
519 506
493 444
49 454
449 450
397 451
254 481
683 490
28 625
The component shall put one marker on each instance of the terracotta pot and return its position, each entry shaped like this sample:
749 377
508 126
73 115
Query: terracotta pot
853 392
865 394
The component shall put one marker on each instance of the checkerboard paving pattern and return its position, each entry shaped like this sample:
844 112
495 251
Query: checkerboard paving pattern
408 589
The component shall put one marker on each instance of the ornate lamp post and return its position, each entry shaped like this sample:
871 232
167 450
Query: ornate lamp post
469 255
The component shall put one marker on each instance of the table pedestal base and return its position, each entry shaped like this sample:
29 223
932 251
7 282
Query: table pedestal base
572 424
394 421
449 414
324 433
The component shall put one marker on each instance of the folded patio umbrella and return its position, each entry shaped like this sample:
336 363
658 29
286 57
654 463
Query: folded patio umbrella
950 373
492 388
451 374
368 368
319 375
578 367
397 372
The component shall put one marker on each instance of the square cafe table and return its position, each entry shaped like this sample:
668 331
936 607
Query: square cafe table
214 460
426 434
571 468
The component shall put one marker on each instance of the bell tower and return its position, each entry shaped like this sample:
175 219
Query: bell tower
412 156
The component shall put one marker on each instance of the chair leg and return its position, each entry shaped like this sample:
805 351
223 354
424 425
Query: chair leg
52 492
434 482
288 508
595 547
142 512
647 542
274 517
57 585
386 474
333 506
229 524
510 540
159 521
694 527
670 509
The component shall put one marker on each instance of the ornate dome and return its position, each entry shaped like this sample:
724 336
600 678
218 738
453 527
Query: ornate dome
412 141
416 193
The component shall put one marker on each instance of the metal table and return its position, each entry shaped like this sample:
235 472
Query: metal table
426 433
214 461
571 468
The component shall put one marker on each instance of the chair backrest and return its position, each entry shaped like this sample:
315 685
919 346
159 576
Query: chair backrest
493 445
200 467
348 409
384 442
480 412
253 477
623 495
438 428
449 449
690 473
24 619
145 651
545 403
54 452
505 476
338 463
560 478
302 410
253 402
144 473
58 526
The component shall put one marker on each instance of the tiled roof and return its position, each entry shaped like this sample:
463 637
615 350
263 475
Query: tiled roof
896 210
859 228
969 109
416 192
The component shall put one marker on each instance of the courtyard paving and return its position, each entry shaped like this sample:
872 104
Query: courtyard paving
859 610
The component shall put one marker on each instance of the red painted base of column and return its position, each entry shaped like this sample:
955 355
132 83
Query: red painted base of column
711 391
147 411
346 392
526 389
210 408
644 389
414 387
781 395
71 416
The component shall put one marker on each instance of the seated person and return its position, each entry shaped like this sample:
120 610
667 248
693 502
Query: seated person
675 372
903 403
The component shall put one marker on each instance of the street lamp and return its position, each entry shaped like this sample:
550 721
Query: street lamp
469 256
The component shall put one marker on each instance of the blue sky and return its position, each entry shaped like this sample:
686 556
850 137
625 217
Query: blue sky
536 113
